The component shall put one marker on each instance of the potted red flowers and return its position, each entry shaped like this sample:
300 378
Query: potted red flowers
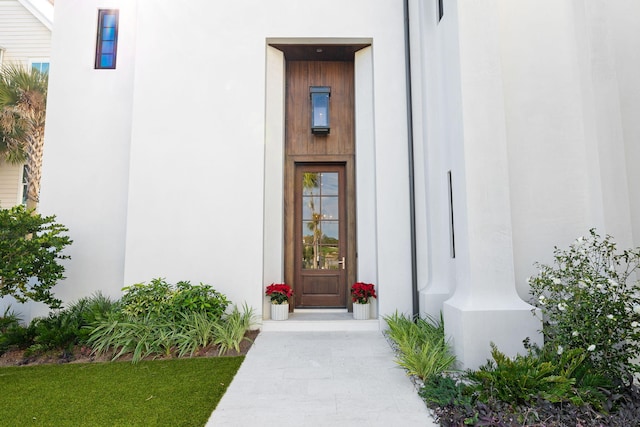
279 293
360 295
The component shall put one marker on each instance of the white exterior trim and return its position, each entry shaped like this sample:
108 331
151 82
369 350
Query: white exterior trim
41 9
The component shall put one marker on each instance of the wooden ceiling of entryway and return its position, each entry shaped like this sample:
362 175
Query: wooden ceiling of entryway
332 52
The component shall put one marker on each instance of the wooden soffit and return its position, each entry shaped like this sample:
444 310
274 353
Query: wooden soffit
319 52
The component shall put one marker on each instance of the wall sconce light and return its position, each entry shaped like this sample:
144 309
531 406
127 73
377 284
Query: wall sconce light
320 109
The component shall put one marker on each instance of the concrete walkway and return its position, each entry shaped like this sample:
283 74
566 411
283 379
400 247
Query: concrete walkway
321 379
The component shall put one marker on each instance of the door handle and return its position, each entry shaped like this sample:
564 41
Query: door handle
342 262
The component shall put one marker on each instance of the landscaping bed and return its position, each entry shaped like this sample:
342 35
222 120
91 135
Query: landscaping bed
83 354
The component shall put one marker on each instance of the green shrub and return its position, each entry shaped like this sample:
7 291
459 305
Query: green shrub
12 333
142 299
9 319
30 251
163 300
203 298
66 328
524 379
589 302
422 348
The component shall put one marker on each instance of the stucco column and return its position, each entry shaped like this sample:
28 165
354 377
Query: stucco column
485 306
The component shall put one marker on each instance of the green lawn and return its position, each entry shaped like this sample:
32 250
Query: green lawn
177 392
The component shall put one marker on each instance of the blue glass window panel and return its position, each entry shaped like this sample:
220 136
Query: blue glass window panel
108 48
109 20
109 33
106 61
107 44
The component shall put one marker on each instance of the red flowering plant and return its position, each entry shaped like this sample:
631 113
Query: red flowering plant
279 293
361 292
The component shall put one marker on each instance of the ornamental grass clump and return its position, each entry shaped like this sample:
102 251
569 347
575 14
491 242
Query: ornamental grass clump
421 345
279 293
589 301
361 292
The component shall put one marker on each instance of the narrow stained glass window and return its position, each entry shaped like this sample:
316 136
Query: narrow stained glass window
107 43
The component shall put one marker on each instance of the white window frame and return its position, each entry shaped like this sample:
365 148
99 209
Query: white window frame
24 189
38 61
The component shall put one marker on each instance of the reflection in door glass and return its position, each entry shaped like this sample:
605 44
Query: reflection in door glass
320 221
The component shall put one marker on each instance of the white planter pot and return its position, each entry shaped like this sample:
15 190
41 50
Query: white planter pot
279 311
361 311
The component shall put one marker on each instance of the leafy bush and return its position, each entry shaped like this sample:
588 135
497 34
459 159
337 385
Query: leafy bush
422 348
12 333
537 375
8 320
589 302
66 328
30 251
163 300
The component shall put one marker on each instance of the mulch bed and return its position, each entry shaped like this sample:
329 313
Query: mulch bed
81 354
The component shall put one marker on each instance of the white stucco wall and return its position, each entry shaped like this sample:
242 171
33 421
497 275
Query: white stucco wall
176 187
622 17
572 155
436 124
538 132
87 145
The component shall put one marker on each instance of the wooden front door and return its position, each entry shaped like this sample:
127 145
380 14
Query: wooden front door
319 176
320 235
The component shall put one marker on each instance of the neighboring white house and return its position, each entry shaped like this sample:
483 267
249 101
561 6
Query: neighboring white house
25 38
180 149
